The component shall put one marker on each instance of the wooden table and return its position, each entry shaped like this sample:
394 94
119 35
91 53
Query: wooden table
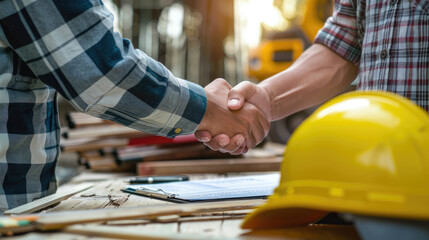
107 194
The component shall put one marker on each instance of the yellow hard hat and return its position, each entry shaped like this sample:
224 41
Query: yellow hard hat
363 152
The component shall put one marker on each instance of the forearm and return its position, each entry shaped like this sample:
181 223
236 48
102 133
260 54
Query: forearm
317 75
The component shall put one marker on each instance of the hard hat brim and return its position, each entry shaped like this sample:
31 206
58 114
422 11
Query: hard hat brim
299 210
279 214
280 218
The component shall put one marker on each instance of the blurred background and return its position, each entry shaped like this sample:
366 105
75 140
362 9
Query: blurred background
201 40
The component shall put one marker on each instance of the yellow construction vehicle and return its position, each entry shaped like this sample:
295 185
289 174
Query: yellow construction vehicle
278 50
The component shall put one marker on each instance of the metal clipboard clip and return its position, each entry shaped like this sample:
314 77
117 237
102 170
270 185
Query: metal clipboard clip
159 193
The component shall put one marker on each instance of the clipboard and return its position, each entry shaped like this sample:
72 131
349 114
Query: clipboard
158 194
246 187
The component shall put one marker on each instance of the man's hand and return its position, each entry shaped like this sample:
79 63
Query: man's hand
250 93
244 92
223 143
249 121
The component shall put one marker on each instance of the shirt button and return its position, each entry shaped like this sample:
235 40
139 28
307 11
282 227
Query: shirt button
177 130
383 54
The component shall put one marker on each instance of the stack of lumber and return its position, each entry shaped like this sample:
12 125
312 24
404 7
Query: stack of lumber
107 146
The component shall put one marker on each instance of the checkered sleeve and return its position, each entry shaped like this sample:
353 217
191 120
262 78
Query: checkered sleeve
71 46
340 32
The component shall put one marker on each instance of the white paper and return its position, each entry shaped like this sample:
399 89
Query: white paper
216 189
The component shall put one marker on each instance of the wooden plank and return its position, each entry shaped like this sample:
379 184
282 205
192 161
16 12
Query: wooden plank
104 163
232 228
118 232
269 149
208 228
209 166
98 196
204 217
165 228
153 153
58 220
175 218
47 201
158 153
112 131
55 236
79 119
88 144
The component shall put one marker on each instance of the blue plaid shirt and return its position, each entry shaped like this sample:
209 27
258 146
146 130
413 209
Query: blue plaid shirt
69 47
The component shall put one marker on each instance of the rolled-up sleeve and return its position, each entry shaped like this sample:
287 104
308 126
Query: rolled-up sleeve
71 46
340 32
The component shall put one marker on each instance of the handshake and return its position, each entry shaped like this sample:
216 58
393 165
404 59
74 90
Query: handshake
236 119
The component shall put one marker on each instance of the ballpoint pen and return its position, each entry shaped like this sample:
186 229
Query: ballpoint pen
158 179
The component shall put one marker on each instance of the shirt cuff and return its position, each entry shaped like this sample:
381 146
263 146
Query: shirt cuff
342 41
189 112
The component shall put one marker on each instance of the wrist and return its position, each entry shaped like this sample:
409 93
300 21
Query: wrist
203 123
267 95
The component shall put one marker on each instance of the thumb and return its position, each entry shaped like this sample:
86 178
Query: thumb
239 94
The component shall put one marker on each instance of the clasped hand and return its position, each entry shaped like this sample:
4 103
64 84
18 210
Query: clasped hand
236 119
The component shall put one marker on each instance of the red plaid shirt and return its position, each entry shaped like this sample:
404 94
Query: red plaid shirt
388 39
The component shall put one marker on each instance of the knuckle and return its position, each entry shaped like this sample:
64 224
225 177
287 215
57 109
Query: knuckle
247 84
